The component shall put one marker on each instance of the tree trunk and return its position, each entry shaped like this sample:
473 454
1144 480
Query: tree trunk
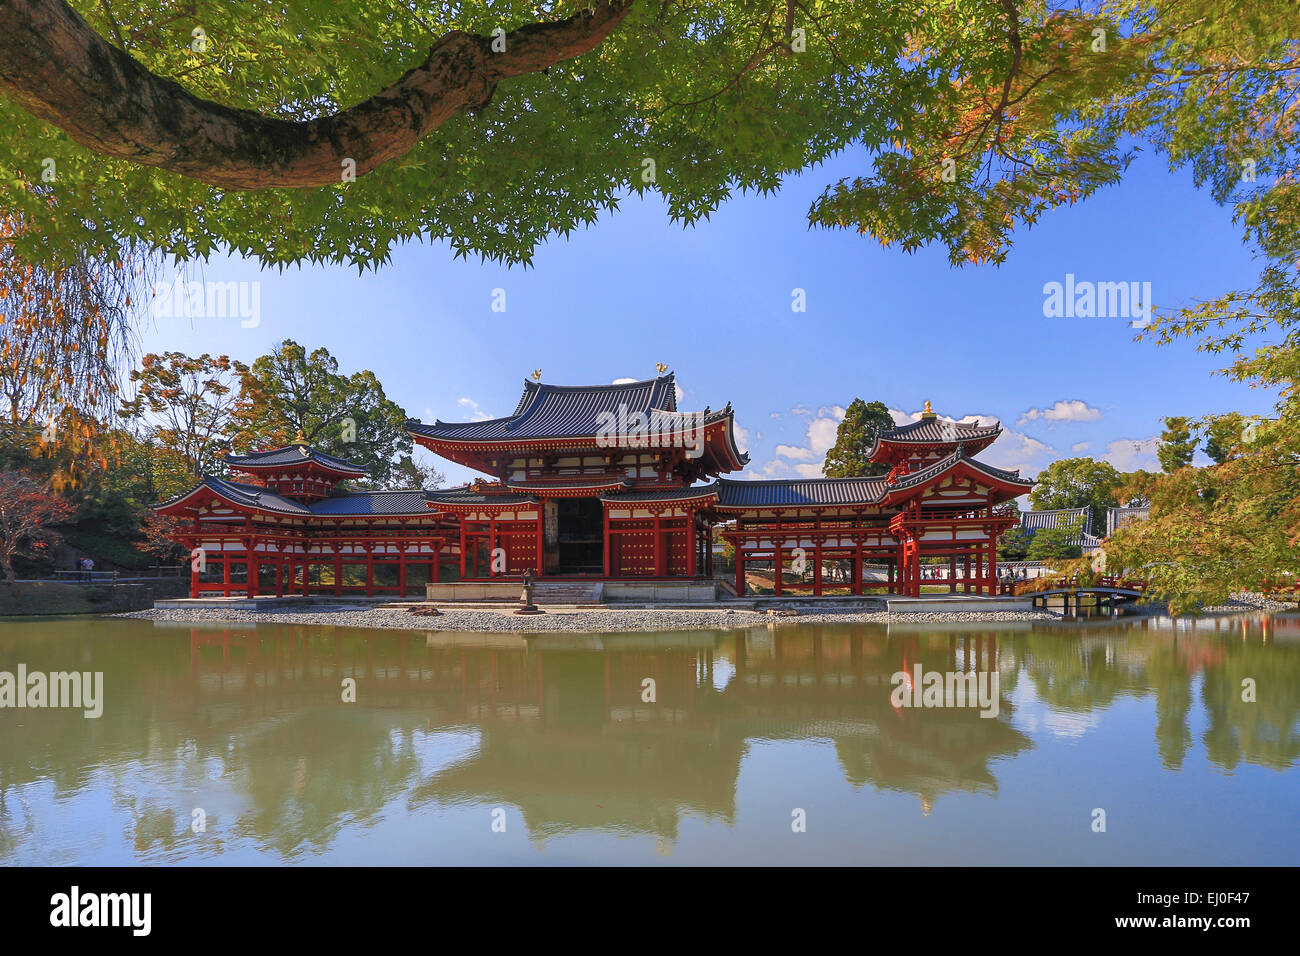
60 69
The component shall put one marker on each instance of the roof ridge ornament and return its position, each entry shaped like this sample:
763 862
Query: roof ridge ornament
928 414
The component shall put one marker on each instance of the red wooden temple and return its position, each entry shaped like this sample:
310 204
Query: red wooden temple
597 483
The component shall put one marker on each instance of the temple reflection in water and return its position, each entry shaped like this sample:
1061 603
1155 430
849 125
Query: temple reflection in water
557 725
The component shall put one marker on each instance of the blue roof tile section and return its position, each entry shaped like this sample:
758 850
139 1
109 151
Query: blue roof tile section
373 503
252 496
686 494
799 491
293 455
466 495
934 430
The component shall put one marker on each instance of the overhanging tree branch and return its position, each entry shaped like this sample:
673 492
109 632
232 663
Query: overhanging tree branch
54 64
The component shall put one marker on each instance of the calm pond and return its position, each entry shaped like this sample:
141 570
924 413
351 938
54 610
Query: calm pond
763 746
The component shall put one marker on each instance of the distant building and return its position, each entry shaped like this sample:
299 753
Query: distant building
1033 521
1116 518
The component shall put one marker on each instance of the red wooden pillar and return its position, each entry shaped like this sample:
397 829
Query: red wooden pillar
370 571
609 544
541 538
194 579
225 564
463 548
401 570
856 589
492 545
993 567
776 570
740 569
338 572
659 547
692 543
817 569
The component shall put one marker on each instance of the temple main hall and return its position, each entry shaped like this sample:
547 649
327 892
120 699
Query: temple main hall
605 483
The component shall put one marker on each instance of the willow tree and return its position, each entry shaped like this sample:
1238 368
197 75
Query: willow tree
66 330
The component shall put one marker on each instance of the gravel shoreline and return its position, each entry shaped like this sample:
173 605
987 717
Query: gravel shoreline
607 619
592 620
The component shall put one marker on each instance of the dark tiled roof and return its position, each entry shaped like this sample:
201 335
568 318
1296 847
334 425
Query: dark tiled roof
685 494
936 430
466 495
1038 520
1118 517
408 502
559 484
293 455
564 411
348 503
1033 520
799 491
251 496
943 464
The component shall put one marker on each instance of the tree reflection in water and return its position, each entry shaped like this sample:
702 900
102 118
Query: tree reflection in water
250 720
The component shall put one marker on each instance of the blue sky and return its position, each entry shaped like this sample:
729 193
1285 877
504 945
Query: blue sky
713 302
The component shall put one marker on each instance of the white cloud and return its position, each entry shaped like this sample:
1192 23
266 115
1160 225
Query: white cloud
1069 410
742 435
820 434
822 431
476 413
1080 447
1130 454
794 451
623 381
774 415
780 468
1017 450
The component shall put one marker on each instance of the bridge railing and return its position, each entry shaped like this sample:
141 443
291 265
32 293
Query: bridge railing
1072 583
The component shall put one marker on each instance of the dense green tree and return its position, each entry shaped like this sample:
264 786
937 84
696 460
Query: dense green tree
1177 444
292 391
209 123
1078 483
1217 530
1013 545
1223 434
1052 544
847 458
187 404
